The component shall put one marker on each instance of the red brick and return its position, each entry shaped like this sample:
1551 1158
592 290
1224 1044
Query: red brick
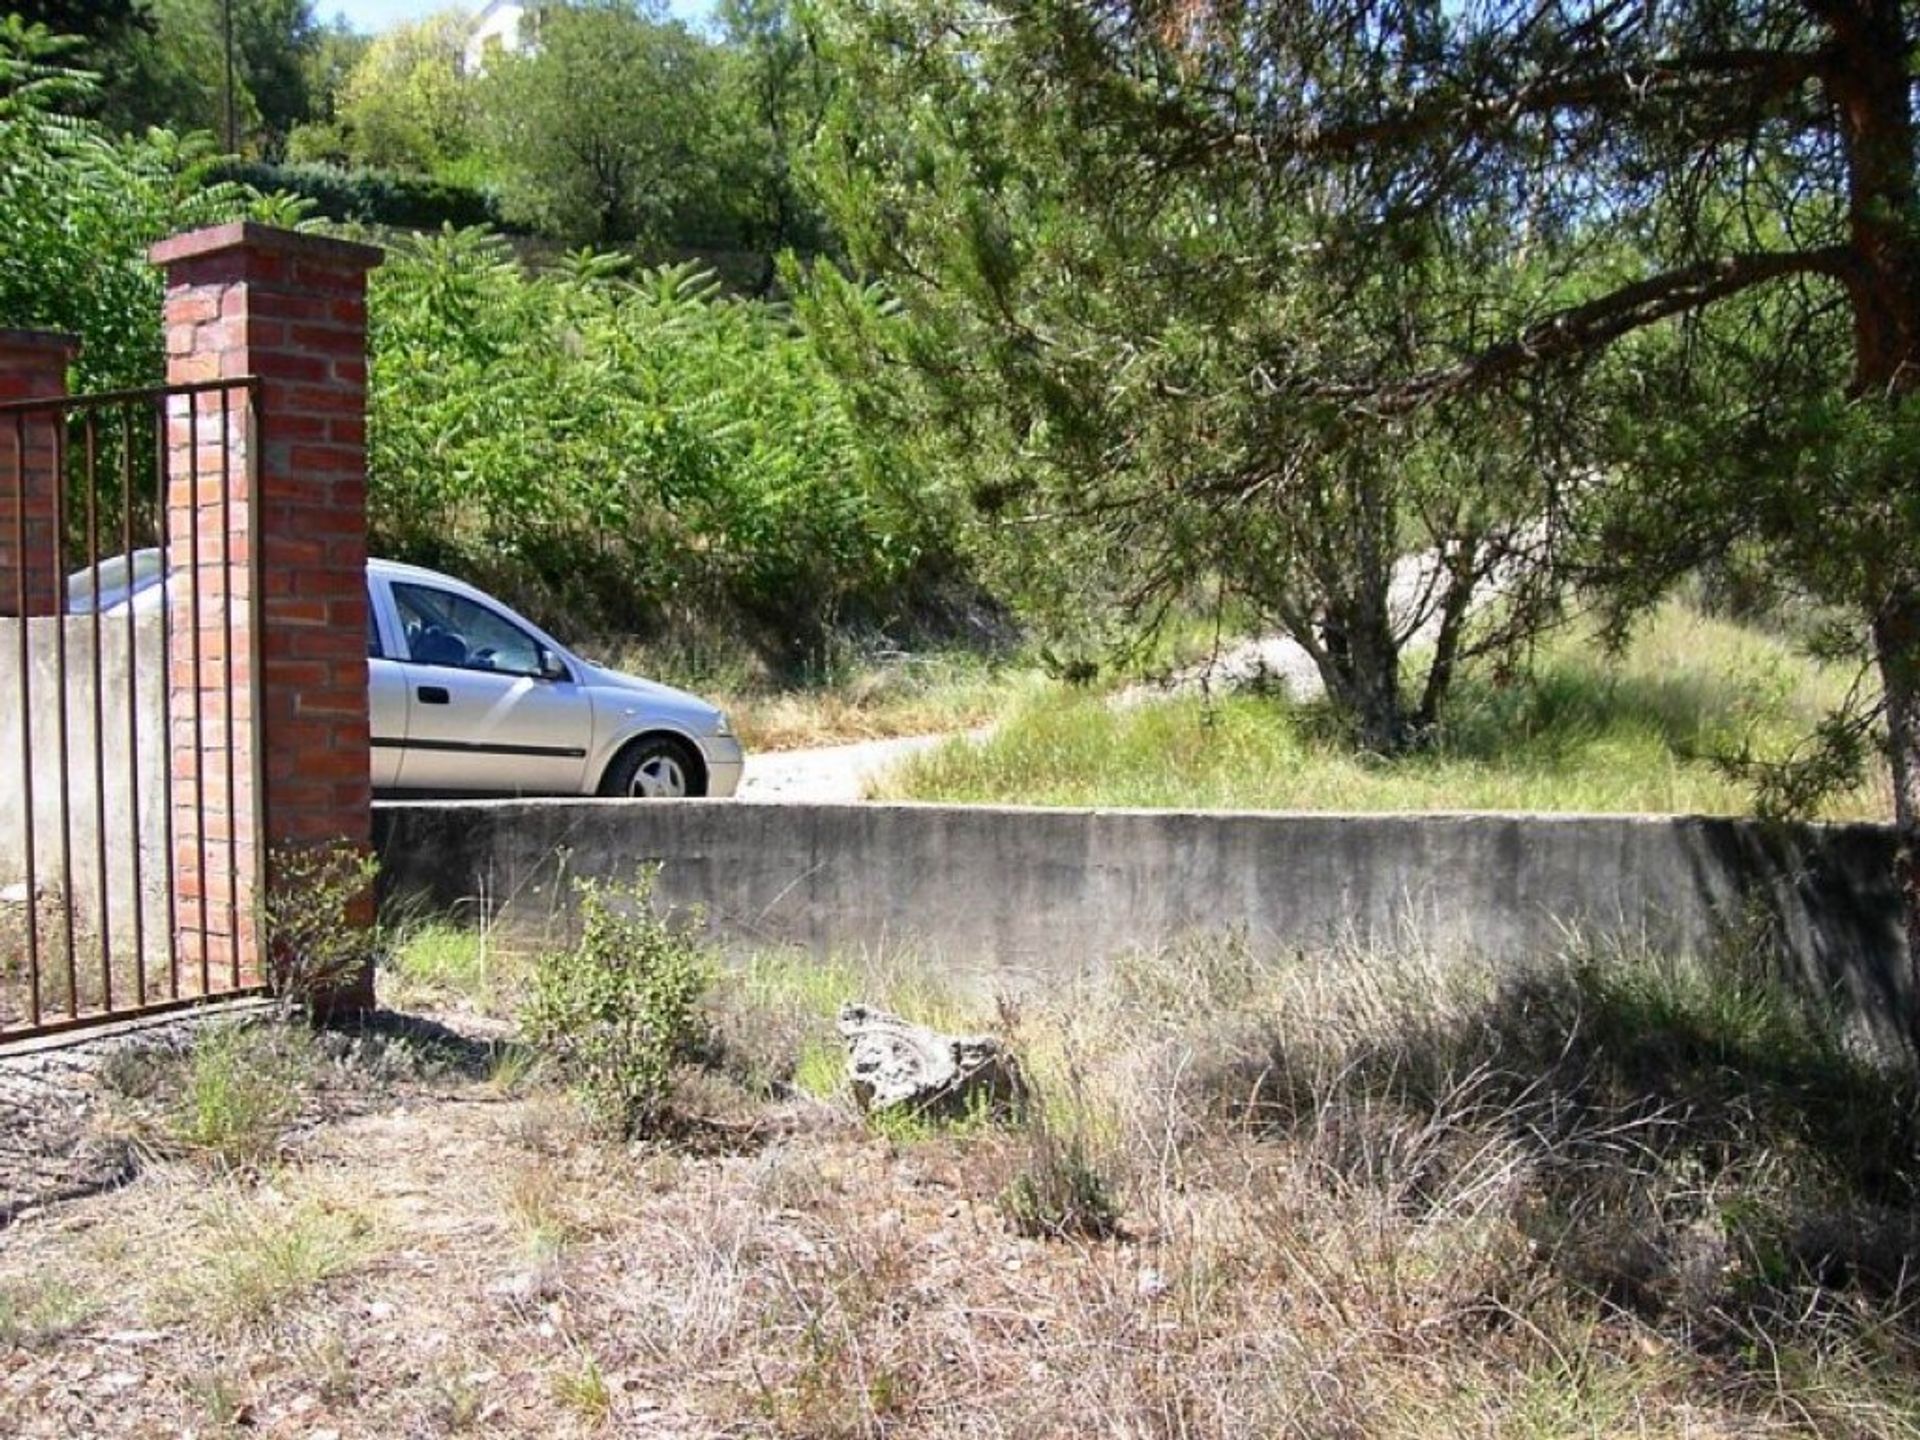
291 310
324 399
301 427
329 339
328 459
289 365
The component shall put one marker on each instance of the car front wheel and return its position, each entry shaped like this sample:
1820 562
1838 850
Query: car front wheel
656 768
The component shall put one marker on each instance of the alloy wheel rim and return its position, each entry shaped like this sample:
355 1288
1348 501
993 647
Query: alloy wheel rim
659 778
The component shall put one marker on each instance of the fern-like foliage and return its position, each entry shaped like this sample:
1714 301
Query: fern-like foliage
79 208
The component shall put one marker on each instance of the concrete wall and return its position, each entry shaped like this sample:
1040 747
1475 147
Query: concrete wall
1023 894
132 672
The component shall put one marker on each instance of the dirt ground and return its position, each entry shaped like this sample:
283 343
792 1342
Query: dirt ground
409 1230
462 1259
828 774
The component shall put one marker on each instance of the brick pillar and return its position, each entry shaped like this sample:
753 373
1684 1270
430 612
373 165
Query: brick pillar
33 366
246 299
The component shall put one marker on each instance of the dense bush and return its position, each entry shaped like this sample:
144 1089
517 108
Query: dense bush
623 450
367 196
616 452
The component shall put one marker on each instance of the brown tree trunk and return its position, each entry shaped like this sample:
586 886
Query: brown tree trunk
1361 668
1870 88
1455 603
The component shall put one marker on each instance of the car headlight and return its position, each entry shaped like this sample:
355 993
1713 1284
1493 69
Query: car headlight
721 726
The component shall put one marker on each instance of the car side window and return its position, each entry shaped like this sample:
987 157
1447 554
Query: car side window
442 628
374 652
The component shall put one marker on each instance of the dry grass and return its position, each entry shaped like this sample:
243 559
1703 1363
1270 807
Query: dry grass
853 696
1368 1196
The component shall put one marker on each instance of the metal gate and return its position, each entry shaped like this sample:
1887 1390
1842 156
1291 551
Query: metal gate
128 671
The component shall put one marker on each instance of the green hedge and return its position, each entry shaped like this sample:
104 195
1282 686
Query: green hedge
371 197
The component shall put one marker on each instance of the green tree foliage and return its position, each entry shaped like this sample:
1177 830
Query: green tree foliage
623 450
1106 332
320 135
170 71
1724 198
408 103
79 207
605 133
273 42
93 21
773 96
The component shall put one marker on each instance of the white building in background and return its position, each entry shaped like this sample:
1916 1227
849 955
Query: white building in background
503 27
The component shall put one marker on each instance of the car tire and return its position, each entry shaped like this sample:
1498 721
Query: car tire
655 767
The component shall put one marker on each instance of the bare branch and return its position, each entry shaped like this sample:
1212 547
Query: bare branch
1582 329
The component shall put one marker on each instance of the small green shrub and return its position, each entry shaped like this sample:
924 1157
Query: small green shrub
621 1009
317 941
367 195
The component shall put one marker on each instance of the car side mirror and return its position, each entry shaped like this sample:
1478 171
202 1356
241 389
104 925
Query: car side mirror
552 667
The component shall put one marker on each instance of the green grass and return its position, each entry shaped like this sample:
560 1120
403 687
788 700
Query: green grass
41 1313
255 1256
438 962
240 1090
1649 732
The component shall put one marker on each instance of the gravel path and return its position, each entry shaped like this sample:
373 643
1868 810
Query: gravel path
828 775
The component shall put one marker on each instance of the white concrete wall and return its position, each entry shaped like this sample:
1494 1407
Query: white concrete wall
127 784
1022 897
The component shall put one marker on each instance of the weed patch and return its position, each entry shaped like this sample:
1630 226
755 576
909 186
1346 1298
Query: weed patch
41 1313
257 1256
240 1088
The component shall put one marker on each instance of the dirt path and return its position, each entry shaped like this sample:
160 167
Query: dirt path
830 774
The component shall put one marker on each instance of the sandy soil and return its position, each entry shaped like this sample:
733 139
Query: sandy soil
830 774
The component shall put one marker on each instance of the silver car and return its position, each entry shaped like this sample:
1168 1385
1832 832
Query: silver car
468 697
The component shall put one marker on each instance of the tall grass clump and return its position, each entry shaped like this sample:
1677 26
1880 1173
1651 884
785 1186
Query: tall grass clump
1692 1141
1389 1194
620 1010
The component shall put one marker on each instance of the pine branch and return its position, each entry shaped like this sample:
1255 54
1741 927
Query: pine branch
1751 75
1589 327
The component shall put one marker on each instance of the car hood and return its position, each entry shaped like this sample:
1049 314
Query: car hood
658 699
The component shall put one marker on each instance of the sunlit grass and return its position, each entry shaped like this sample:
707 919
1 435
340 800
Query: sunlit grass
438 962
1650 731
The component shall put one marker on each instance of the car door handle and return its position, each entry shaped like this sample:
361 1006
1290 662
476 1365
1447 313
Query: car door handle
435 695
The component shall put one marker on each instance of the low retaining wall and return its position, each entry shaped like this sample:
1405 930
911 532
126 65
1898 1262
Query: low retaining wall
1021 895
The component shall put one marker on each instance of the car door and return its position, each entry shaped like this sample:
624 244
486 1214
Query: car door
481 717
386 693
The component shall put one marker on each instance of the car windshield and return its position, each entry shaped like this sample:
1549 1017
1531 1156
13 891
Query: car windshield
113 580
